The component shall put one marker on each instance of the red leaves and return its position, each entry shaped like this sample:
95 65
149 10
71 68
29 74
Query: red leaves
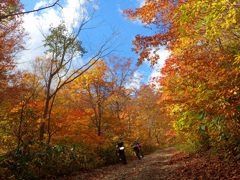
11 38
202 73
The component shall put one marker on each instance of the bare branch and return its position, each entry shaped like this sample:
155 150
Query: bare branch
27 12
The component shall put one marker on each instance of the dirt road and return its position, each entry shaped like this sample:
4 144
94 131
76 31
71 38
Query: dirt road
168 164
154 166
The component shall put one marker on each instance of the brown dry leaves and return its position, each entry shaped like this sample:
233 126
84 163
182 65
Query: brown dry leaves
205 166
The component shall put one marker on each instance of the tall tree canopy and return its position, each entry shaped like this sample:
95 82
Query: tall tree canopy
11 38
200 80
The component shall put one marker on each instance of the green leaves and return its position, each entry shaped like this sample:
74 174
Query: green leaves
61 42
202 115
31 161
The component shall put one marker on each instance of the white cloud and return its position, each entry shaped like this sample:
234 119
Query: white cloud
163 54
40 4
37 23
141 2
135 82
73 12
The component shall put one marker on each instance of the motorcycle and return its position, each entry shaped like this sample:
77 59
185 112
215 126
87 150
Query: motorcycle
120 152
137 150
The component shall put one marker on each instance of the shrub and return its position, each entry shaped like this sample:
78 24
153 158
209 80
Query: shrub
30 162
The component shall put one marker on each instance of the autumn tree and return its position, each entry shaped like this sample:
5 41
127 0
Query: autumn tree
94 88
103 93
27 110
200 80
64 52
11 41
154 121
145 117
121 72
22 111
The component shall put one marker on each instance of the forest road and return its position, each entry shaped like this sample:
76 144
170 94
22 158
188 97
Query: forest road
155 166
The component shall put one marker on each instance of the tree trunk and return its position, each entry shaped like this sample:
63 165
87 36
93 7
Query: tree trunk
19 135
42 125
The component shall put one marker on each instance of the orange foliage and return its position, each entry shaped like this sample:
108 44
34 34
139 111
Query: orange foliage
202 73
11 38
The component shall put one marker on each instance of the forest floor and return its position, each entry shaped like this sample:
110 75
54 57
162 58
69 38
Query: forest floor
167 164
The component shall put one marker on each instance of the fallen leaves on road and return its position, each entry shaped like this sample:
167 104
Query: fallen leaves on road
204 165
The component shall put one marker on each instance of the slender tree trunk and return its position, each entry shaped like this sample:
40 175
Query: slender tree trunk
19 135
49 120
99 119
46 108
42 125
157 139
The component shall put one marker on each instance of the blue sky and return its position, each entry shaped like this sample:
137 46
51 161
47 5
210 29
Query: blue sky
108 17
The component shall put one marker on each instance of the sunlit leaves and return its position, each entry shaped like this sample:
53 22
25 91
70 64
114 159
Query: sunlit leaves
202 73
218 16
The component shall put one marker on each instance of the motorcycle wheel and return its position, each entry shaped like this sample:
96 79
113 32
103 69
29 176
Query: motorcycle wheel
123 158
138 155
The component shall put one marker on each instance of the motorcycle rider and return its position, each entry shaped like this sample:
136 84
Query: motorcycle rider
118 145
120 151
137 149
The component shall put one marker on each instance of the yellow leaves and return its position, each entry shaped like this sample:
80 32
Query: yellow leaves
183 43
202 73
15 110
230 19
208 16
235 91
17 107
237 60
